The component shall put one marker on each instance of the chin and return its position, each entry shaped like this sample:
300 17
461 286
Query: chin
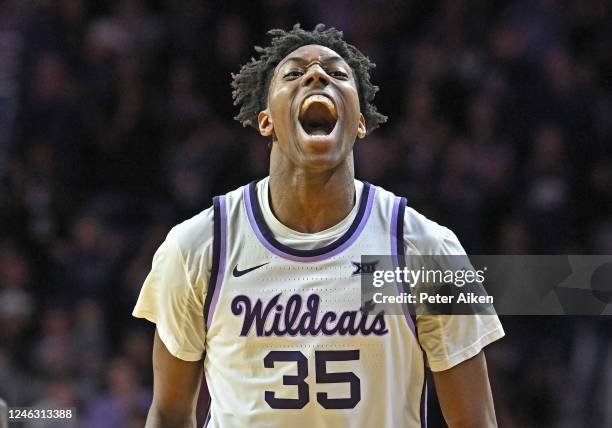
322 155
321 163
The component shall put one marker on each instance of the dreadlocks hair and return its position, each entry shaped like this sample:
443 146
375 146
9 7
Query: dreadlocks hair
250 85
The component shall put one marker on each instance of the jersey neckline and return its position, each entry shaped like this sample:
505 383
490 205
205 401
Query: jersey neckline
302 240
266 237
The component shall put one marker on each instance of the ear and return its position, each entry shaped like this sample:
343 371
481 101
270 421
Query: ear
266 128
361 126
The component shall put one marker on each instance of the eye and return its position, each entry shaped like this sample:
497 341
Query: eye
293 74
338 74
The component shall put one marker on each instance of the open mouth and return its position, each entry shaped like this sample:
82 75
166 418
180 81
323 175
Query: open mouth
318 115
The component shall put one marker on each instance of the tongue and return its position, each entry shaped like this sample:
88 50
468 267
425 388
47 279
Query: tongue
322 101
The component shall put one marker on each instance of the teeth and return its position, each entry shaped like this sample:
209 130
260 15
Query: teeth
319 99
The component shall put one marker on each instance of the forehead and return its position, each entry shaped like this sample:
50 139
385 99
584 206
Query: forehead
309 53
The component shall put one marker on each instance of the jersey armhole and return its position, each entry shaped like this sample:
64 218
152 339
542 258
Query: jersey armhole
398 252
218 259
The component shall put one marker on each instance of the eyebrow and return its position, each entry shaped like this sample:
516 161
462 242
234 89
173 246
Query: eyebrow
325 59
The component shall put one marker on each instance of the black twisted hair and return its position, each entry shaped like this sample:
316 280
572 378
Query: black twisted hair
250 85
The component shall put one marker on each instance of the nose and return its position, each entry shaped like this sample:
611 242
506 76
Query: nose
316 75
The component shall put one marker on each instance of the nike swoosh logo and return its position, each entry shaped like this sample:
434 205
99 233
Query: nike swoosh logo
236 272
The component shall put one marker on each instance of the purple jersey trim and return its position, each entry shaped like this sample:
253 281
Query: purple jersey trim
206 422
423 405
265 236
219 256
398 252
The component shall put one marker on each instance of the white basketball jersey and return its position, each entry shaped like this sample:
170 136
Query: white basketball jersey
287 341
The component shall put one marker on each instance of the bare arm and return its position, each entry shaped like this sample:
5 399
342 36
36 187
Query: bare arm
3 414
465 395
176 384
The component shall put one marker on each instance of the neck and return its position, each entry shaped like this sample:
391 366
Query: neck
311 201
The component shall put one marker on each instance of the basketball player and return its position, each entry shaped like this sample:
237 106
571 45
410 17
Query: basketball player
259 290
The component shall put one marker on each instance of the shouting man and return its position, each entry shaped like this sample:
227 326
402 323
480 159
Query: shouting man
259 290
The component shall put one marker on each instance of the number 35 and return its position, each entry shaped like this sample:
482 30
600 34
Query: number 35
322 376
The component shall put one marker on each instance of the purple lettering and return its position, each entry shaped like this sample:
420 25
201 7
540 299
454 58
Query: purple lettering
293 319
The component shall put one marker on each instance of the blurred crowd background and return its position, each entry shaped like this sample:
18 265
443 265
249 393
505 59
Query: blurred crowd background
116 123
